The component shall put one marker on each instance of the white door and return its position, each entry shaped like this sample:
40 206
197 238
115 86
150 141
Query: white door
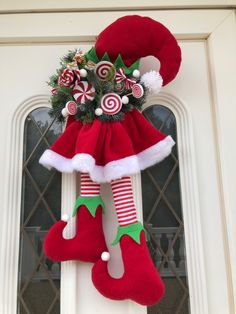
202 101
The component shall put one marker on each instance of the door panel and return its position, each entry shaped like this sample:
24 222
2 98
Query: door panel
28 57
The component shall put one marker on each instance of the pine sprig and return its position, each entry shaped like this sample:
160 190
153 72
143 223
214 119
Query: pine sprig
53 80
68 57
86 112
111 118
94 80
58 102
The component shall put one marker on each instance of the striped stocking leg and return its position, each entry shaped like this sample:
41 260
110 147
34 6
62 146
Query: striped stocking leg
88 187
124 202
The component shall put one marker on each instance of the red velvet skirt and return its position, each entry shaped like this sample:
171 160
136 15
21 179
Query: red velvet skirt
108 150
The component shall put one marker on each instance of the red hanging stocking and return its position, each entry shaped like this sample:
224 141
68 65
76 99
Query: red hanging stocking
88 242
141 281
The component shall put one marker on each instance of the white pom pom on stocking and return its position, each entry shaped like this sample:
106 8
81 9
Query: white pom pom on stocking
105 256
65 218
152 81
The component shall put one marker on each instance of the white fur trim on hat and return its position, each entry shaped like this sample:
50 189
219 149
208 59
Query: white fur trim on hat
152 81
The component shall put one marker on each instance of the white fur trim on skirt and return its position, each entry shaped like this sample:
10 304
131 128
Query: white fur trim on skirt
113 170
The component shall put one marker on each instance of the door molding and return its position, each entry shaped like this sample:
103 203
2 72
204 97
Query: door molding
190 200
11 215
12 203
74 29
112 5
221 52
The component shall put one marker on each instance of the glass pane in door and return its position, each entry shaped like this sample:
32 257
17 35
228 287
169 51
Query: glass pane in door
39 278
163 219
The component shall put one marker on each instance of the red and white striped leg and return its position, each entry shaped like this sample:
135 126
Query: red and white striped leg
88 187
124 202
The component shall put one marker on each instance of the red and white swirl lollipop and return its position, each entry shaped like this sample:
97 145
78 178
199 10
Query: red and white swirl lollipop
105 70
66 78
83 91
70 109
137 90
111 103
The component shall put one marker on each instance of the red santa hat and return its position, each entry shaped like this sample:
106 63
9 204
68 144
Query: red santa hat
133 37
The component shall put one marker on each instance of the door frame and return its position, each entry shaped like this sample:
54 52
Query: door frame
112 5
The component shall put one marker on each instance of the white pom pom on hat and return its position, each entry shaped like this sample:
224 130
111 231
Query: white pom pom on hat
152 81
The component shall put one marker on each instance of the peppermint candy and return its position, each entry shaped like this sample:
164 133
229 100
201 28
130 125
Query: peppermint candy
105 70
137 90
121 77
111 103
66 78
83 91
